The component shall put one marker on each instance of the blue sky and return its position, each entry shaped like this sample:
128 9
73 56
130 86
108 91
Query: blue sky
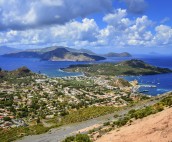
136 26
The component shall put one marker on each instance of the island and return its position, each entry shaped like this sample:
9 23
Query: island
126 68
57 54
123 54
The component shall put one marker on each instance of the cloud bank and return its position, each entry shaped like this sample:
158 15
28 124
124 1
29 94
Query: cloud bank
121 31
53 22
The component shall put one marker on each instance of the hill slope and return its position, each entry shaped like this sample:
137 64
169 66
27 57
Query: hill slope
20 72
155 128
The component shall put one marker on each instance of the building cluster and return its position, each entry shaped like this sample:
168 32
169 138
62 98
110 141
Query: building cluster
36 98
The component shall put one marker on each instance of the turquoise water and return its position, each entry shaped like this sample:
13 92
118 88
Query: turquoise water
52 69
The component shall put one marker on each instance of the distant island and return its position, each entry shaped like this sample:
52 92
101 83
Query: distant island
56 54
131 67
59 53
123 54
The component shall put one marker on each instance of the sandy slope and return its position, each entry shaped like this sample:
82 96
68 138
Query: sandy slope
154 128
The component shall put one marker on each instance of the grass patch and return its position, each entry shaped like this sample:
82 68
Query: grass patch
85 114
16 133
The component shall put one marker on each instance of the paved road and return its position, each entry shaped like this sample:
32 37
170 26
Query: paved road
58 134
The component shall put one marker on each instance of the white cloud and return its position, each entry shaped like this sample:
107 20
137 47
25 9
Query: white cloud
121 31
118 19
69 34
19 15
163 35
84 31
115 17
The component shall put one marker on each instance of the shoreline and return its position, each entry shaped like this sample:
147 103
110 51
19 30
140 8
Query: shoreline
145 85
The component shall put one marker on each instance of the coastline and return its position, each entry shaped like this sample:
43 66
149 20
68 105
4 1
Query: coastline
146 86
153 83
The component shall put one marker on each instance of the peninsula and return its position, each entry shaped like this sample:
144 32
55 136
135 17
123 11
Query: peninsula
131 67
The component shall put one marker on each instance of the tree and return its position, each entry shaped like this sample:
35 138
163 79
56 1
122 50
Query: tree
7 119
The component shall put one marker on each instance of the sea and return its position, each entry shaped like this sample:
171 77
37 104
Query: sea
150 84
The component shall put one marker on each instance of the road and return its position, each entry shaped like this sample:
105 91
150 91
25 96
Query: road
59 134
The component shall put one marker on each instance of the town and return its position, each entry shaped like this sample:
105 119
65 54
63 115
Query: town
29 100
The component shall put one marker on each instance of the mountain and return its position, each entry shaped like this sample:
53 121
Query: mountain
47 49
62 54
56 54
86 51
112 54
8 50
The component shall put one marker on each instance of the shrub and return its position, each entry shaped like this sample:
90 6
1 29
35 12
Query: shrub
116 115
7 119
69 139
121 121
167 101
78 138
106 124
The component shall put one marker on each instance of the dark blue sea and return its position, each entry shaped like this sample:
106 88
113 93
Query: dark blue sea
52 69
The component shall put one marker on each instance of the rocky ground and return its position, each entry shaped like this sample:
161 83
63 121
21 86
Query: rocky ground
154 128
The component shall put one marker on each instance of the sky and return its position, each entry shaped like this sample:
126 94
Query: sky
135 26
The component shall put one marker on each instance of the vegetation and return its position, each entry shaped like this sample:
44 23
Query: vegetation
78 138
85 114
75 116
167 101
132 67
12 134
139 114
15 75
